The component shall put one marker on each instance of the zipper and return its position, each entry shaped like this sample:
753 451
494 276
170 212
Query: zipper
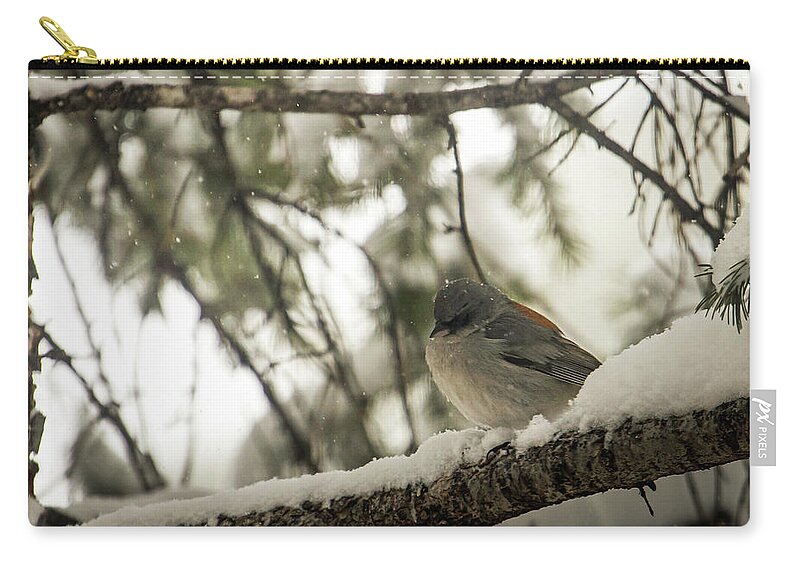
81 57
73 53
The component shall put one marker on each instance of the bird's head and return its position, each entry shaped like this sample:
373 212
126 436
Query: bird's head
462 304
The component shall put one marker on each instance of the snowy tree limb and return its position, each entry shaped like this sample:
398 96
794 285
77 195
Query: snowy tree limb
513 483
510 482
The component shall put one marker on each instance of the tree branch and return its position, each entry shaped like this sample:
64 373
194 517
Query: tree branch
392 326
143 465
279 99
510 482
462 207
741 110
171 266
252 222
36 419
741 161
687 211
676 132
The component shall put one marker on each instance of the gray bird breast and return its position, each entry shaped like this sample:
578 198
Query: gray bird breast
469 370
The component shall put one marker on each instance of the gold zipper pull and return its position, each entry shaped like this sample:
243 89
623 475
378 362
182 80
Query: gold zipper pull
72 53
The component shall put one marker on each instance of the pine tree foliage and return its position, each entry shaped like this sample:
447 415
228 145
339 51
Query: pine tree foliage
731 300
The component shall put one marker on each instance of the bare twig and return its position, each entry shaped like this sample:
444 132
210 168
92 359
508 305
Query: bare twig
393 325
676 133
643 495
716 511
540 151
142 464
173 219
137 390
565 132
695 496
730 183
697 125
462 208
737 110
87 325
489 491
302 447
188 460
169 265
393 329
742 160
145 467
342 369
565 156
744 495
687 211
252 224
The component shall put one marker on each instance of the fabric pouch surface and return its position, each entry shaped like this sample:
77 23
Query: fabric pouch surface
518 284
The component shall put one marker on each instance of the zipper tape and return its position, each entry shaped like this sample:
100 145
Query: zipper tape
80 57
391 63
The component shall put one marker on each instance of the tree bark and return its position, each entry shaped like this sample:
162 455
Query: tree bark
281 99
510 482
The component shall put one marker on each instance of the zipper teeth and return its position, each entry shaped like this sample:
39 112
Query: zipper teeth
77 56
454 63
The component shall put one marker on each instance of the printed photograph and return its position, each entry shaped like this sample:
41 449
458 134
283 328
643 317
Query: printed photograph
387 295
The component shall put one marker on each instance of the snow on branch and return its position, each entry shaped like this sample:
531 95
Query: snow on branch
456 479
674 403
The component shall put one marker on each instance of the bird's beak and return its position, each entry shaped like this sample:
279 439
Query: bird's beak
439 330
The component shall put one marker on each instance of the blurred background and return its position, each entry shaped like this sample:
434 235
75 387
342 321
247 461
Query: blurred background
227 297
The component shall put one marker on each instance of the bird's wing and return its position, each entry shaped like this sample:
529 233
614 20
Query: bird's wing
527 344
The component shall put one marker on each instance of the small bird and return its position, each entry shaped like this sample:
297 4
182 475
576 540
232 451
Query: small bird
499 362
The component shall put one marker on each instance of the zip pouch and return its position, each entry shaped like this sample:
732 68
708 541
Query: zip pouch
386 292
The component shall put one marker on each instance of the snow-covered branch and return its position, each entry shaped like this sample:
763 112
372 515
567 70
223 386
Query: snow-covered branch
456 478
668 405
